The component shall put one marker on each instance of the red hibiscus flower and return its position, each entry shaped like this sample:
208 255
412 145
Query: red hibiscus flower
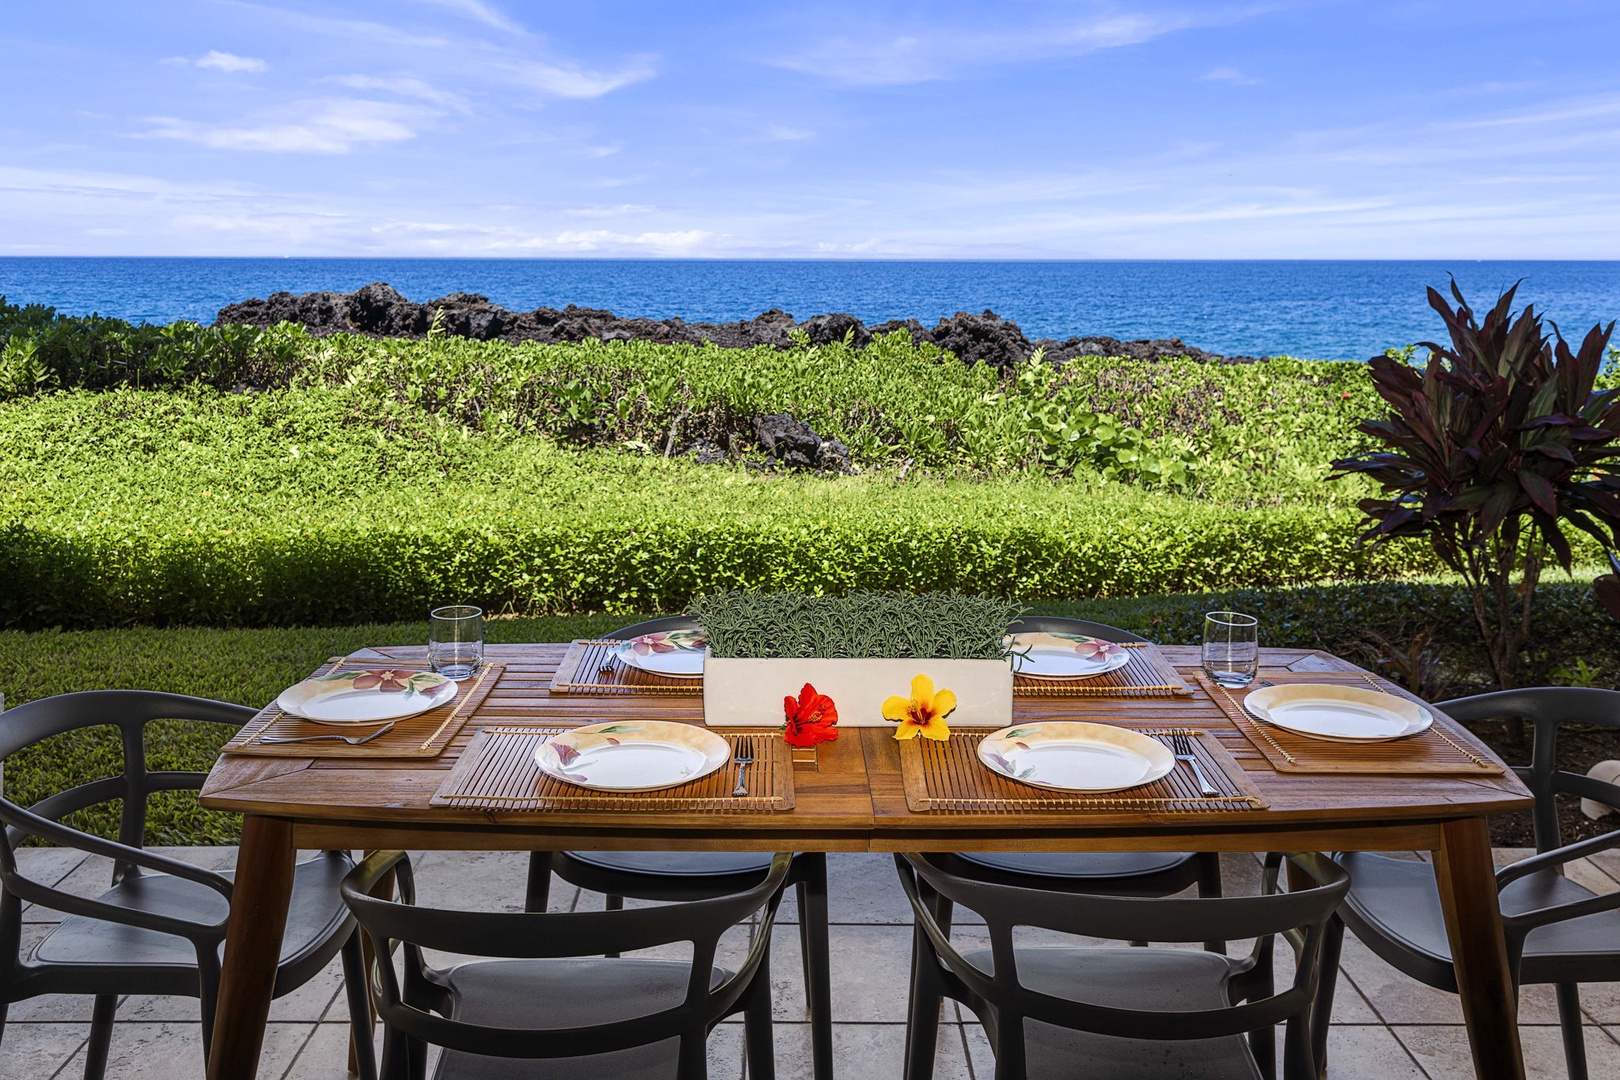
387 680
812 719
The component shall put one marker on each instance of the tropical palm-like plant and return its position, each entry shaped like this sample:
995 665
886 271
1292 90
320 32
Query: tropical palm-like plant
1491 450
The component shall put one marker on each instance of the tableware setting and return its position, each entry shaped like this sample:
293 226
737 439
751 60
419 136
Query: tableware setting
1338 713
641 755
1064 656
1231 655
369 696
456 641
675 654
1076 756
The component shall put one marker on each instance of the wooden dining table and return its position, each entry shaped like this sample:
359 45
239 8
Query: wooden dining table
854 800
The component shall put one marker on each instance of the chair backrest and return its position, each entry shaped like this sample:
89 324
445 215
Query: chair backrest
1548 707
652 626
531 935
1299 916
127 710
1055 624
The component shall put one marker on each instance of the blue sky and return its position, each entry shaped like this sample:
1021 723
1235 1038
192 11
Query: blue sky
1001 129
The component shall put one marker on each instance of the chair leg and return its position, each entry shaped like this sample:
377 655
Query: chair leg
1569 1020
759 1037
101 1029
362 1048
1322 1010
1209 887
813 942
612 903
922 1011
537 893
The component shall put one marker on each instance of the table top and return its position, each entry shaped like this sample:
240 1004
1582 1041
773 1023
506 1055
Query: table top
854 800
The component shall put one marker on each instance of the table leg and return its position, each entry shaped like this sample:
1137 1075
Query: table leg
264 878
1467 881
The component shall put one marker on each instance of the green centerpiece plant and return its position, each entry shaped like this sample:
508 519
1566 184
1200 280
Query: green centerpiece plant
1490 450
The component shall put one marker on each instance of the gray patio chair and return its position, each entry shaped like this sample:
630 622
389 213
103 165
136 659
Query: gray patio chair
160 928
672 876
1129 873
1558 931
1056 1011
550 1005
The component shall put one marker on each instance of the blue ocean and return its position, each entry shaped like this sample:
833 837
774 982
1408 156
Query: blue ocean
1346 310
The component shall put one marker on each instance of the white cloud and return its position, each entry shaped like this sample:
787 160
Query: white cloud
876 55
230 63
321 126
575 82
1229 75
405 86
479 11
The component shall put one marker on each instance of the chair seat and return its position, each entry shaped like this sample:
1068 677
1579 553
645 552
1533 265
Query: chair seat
1161 980
692 864
315 917
1397 906
541 995
1080 865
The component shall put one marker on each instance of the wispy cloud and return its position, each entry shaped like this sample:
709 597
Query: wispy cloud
569 81
479 11
322 126
1229 75
879 55
229 63
405 86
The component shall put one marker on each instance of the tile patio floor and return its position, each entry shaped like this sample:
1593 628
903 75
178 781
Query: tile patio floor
1385 1025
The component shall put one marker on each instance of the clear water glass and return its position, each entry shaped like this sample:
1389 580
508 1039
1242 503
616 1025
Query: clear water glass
456 641
1231 648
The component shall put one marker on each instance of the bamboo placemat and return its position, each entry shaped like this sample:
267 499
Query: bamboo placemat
949 776
421 736
1433 752
1148 675
497 772
589 667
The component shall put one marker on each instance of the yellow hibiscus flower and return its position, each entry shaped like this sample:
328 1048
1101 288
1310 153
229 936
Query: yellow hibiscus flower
923 713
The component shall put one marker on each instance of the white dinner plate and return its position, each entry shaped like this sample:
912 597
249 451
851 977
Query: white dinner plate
366 697
1073 756
1338 713
1064 656
675 653
634 755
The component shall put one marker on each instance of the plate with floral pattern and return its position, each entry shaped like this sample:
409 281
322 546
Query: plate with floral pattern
639 755
1074 756
1064 656
366 697
675 653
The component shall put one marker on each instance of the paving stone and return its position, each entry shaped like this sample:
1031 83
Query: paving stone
1400 999
35 1051
871 970
174 1051
1443 1051
1366 1052
867 1052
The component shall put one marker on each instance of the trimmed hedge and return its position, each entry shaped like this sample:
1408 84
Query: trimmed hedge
324 507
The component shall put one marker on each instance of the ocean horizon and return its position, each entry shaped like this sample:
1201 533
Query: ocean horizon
1319 309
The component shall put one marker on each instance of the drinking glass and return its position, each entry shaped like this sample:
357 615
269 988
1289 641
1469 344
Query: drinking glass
1231 648
456 640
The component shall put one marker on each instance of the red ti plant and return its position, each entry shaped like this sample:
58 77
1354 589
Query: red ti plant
1490 450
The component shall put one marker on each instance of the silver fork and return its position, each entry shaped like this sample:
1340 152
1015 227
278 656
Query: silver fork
742 763
1183 751
352 740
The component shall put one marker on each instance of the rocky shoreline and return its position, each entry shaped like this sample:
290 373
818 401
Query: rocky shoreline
377 310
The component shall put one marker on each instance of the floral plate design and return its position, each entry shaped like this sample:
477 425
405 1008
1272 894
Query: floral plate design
641 755
366 697
1337 713
1064 656
677 654
1074 756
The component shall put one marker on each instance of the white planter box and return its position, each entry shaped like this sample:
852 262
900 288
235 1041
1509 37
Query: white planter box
749 693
